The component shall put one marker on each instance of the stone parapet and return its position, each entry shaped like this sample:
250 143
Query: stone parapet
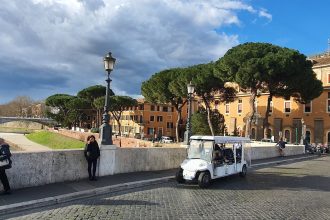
40 168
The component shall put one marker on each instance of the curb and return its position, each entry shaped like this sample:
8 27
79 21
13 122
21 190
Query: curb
282 161
18 207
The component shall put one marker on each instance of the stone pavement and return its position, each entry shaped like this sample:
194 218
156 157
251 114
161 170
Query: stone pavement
298 190
22 142
58 193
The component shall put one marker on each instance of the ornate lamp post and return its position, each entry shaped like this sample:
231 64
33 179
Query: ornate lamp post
191 90
105 129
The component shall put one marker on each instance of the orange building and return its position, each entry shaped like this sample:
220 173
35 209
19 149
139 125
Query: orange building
287 118
150 121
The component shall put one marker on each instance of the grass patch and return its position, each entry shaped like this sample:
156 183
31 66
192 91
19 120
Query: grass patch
55 141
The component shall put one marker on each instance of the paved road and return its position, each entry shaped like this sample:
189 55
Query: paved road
299 190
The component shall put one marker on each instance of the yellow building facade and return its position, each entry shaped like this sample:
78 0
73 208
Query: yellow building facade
287 118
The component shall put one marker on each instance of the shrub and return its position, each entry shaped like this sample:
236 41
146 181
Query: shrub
95 130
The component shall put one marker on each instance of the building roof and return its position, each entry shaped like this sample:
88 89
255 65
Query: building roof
321 60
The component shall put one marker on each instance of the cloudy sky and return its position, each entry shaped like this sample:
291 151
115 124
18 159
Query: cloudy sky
57 46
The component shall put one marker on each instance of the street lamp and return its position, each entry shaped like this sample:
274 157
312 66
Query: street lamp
191 90
105 129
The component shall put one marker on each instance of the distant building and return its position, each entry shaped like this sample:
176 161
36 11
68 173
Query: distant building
150 121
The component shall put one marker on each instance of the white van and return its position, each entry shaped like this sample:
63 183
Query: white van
213 157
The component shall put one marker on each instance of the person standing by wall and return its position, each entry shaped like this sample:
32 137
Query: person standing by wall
5 163
92 153
281 146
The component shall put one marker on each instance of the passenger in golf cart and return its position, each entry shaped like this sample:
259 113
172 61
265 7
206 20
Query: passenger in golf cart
211 157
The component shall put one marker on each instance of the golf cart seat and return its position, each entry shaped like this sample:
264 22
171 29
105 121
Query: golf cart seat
229 156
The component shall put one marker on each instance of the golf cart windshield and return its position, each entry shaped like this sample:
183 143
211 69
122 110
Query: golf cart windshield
200 149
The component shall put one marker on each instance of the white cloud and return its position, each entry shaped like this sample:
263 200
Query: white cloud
64 40
263 13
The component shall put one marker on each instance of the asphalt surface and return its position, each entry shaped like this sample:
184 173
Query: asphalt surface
292 190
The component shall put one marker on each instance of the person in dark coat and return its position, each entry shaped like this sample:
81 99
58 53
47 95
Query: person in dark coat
281 146
92 153
4 155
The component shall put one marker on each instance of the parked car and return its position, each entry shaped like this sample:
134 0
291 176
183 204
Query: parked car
166 140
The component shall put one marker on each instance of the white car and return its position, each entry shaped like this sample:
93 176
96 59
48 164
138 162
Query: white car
166 140
213 157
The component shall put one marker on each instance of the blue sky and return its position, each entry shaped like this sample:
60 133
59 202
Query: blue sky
297 24
57 46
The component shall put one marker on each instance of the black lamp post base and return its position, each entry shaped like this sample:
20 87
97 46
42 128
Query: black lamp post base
106 134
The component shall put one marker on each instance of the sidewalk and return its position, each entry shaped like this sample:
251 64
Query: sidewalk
51 194
22 142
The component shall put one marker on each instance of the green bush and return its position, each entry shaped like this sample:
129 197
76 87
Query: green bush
95 130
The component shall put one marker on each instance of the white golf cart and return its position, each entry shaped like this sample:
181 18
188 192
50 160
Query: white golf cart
212 157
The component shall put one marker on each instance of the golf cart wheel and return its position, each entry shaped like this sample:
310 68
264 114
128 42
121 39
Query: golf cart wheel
244 171
179 176
204 179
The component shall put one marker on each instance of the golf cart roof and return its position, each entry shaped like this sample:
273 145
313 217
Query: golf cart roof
221 139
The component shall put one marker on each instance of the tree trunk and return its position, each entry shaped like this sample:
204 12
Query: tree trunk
208 110
266 124
251 113
177 124
97 119
119 127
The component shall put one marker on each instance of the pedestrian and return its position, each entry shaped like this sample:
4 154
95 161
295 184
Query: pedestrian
92 153
5 163
281 146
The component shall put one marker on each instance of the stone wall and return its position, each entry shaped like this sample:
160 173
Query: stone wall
39 168
22 124
263 152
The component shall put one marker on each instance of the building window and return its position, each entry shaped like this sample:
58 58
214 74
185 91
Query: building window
271 107
216 104
165 109
227 107
253 133
308 107
150 131
287 106
159 118
141 107
169 124
152 108
158 108
172 109
240 106
152 118
328 78
287 136
89 118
